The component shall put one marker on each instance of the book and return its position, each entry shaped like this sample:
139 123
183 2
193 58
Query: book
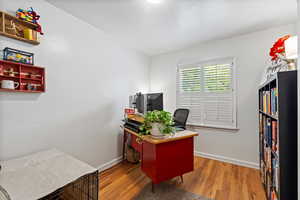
260 123
272 102
268 132
275 174
268 159
269 185
264 102
268 102
274 195
274 136
274 99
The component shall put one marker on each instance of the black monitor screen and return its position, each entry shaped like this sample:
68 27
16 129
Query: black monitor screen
155 101
139 102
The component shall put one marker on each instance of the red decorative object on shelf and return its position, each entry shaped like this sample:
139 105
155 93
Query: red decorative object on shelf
278 47
28 78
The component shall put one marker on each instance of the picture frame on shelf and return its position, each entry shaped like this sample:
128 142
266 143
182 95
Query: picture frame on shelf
18 56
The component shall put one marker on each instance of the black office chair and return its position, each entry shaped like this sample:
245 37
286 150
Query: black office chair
180 117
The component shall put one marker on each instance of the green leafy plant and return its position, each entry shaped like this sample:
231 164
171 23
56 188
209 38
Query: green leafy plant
164 118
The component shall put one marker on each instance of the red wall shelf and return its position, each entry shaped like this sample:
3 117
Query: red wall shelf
31 79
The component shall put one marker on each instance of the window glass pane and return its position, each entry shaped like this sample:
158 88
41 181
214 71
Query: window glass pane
190 80
217 78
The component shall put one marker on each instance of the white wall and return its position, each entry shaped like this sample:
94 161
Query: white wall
251 52
89 79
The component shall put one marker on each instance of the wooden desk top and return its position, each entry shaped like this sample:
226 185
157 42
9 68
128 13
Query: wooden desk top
168 138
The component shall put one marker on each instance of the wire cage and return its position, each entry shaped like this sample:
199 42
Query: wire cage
84 188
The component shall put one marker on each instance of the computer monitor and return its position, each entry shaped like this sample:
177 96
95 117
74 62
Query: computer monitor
140 103
155 101
148 102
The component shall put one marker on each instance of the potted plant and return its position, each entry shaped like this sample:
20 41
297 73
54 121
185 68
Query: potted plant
157 123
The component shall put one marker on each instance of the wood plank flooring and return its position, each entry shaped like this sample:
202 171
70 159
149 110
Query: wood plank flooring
210 178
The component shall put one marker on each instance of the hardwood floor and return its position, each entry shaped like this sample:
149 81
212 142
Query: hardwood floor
210 178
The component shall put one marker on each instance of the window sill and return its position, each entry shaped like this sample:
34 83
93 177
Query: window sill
213 127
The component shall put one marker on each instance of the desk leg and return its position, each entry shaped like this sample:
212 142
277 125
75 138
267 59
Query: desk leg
124 143
153 187
181 177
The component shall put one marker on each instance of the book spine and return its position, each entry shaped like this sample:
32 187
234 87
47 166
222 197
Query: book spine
264 102
274 136
276 101
269 102
275 174
272 102
269 132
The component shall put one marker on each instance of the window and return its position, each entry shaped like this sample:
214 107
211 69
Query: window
208 90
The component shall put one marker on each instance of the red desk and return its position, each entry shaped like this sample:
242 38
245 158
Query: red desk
163 159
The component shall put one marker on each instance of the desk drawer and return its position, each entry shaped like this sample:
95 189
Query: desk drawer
136 143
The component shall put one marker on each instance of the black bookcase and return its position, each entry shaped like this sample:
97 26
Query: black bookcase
278 136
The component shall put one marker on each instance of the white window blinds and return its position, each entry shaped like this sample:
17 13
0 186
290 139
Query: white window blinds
208 90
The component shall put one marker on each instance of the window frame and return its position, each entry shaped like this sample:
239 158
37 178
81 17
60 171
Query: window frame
202 63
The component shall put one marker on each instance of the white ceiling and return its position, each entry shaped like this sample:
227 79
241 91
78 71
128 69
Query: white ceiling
176 24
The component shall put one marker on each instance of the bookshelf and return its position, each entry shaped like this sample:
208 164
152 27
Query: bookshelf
278 136
30 79
13 27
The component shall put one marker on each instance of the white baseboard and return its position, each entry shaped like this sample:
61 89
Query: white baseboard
228 160
110 164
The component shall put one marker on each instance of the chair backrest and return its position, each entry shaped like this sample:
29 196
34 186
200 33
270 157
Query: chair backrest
180 117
